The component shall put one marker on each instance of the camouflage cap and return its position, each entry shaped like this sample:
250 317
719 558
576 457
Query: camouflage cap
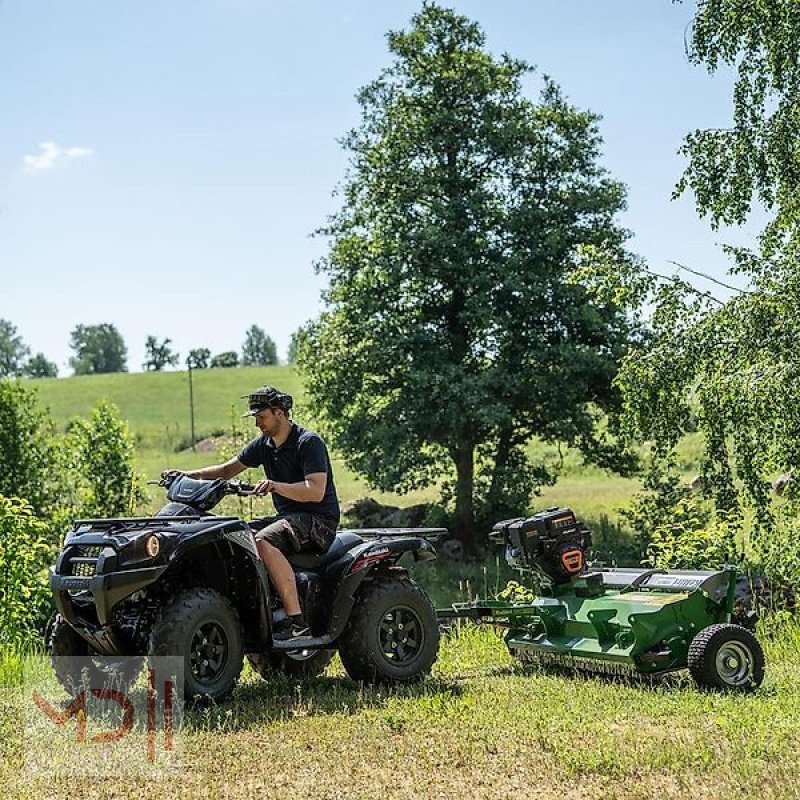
266 397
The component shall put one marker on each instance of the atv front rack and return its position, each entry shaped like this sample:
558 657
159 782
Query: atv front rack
134 523
108 521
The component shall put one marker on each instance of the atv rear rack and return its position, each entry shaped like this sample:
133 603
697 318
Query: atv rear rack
431 534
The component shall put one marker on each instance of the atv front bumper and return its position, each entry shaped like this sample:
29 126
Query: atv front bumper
106 590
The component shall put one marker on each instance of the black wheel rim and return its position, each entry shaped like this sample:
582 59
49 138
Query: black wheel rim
209 653
402 635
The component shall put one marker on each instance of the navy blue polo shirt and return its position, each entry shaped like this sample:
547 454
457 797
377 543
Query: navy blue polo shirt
303 453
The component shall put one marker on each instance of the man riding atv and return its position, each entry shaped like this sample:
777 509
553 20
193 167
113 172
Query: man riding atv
300 479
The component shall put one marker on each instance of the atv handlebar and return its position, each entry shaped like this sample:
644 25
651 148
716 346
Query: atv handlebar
240 488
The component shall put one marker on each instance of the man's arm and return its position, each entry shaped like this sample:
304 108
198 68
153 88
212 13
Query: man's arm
230 469
309 490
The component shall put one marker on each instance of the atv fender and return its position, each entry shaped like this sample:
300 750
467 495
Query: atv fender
363 563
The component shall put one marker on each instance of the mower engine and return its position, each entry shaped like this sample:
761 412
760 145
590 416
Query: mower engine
552 543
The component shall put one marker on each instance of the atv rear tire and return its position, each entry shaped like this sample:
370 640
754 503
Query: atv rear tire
292 664
726 657
202 627
94 670
392 635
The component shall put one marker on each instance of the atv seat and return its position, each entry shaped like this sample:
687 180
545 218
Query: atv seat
339 546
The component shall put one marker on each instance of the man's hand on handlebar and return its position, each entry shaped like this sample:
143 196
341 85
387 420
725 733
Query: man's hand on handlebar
167 477
264 487
172 473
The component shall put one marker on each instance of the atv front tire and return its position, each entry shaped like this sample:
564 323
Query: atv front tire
300 664
726 657
202 627
392 635
93 670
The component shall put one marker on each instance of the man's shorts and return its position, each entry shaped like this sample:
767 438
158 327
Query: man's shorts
296 533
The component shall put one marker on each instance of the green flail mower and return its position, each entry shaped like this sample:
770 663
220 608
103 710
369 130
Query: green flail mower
616 621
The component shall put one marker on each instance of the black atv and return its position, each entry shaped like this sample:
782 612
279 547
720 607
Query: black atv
191 584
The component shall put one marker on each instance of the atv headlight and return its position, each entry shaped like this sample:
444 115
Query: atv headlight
152 546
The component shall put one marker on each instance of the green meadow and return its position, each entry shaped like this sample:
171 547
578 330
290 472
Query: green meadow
157 410
480 727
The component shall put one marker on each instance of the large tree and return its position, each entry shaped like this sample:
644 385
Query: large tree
98 349
159 354
258 349
756 158
452 333
13 351
39 366
730 369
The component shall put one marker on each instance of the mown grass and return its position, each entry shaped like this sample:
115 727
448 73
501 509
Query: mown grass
480 727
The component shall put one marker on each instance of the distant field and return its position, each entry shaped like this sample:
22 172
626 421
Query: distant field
156 404
156 407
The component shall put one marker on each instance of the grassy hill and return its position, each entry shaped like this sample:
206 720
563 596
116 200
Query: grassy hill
156 407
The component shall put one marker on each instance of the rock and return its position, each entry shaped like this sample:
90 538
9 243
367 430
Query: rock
451 549
781 482
697 484
205 446
410 517
368 513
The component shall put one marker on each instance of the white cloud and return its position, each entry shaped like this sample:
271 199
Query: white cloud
49 153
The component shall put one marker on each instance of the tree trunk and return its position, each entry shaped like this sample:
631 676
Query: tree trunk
500 462
464 519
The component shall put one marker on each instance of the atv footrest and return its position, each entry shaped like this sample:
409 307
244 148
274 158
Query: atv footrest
302 643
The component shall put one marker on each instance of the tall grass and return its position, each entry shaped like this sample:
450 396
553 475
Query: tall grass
12 667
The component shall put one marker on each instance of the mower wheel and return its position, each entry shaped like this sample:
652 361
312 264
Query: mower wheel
202 627
302 664
77 665
726 657
392 635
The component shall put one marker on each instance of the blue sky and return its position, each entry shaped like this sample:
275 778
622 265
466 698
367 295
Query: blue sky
190 149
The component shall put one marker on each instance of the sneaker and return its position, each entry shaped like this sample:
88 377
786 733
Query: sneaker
291 628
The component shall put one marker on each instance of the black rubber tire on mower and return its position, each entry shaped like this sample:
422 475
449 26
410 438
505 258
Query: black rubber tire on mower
94 671
726 657
367 638
190 615
268 665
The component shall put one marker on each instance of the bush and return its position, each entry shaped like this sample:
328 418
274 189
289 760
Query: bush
23 592
227 359
100 459
691 541
26 454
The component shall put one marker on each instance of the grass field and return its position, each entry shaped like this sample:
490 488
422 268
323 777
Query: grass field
156 407
480 727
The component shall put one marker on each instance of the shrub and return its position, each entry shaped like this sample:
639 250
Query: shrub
23 550
690 541
100 457
26 455
226 359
